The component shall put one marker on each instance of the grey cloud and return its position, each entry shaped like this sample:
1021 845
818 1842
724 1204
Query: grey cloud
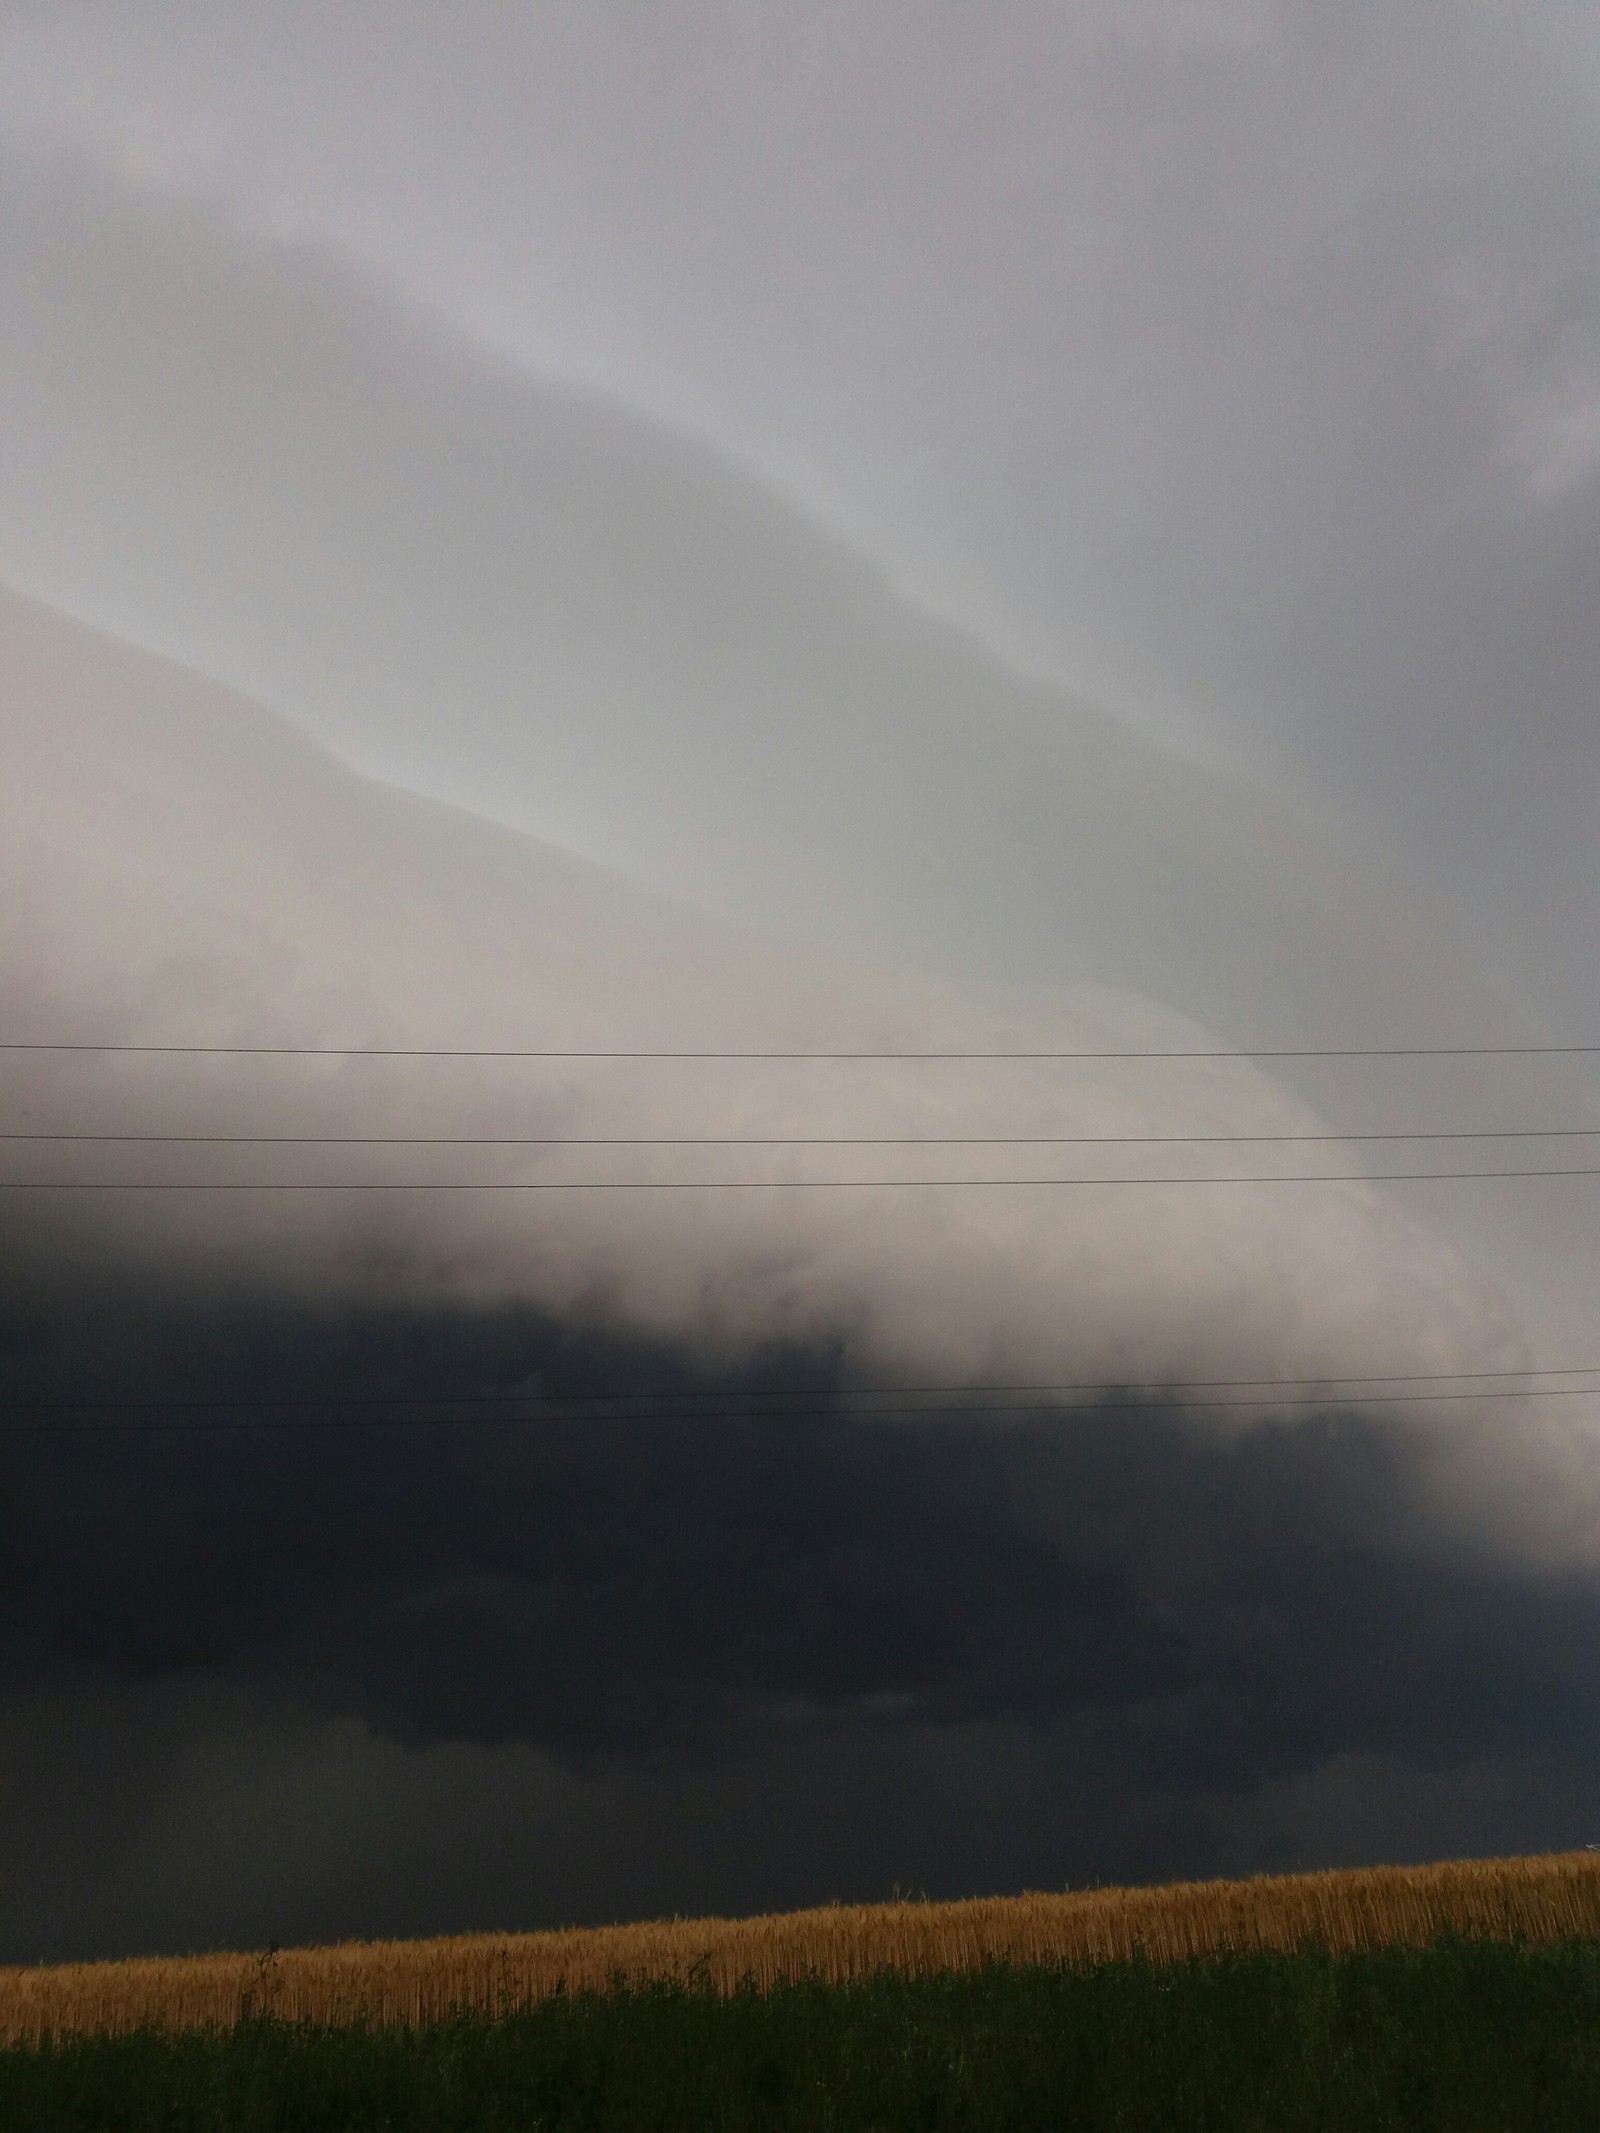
182 867
1240 362
196 1817
954 1653
538 604
530 601
1256 373
1129 1635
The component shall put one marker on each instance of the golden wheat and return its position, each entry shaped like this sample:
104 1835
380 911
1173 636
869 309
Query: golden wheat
1555 1897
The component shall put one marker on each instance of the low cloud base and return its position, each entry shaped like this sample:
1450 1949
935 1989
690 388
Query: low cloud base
655 1650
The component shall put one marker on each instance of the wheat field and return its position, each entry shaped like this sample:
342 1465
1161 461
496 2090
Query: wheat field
1549 1898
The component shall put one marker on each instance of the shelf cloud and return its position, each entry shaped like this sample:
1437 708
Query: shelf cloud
685 1222
625 1489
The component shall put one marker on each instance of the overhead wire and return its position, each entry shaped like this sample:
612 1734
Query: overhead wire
862 1402
925 1391
413 1051
788 1140
403 1412
549 1185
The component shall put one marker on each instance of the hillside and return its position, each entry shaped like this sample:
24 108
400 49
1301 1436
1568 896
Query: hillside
1533 1900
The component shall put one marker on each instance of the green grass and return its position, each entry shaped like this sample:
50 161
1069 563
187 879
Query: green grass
1465 2036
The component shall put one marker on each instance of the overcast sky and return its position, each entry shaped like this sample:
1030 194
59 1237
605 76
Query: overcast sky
864 527
1238 365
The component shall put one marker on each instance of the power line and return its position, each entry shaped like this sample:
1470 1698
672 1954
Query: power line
863 1392
529 1185
389 1419
789 1140
364 1051
946 1390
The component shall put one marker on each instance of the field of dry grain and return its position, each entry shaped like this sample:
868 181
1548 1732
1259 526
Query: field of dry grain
1555 1897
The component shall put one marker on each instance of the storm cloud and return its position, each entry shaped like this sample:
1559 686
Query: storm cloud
702 1638
680 1567
625 1492
1235 364
508 664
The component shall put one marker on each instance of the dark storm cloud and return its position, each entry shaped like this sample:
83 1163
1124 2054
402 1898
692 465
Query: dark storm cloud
1237 355
694 1580
324 1680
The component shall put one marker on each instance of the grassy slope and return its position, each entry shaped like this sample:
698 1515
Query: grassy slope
1538 1900
1461 2036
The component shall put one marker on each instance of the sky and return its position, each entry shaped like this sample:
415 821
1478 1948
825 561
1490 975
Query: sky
1236 366
863 530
